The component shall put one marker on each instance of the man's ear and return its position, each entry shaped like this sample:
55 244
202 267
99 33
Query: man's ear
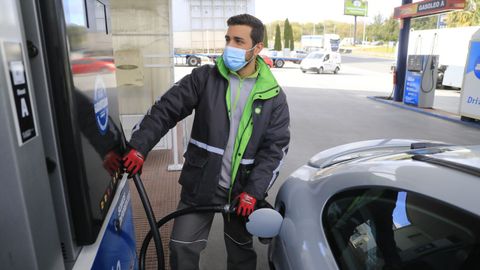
259 48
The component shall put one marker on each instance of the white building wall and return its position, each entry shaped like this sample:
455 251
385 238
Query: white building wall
200 25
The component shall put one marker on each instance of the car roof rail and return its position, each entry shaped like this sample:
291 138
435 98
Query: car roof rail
448 164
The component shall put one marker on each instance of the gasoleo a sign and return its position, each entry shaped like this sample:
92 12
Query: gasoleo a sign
429 7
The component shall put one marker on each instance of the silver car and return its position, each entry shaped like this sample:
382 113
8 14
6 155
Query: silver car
381 204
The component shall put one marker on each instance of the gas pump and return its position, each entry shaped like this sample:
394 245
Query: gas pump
470 97
65 203
421 78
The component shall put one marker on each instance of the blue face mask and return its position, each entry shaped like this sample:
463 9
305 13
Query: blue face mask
234 58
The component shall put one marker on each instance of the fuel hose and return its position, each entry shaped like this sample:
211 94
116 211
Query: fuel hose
151 221
193 209
155 226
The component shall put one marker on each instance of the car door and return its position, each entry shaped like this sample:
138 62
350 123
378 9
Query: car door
327 62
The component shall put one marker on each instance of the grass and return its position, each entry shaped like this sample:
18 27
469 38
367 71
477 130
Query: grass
379 51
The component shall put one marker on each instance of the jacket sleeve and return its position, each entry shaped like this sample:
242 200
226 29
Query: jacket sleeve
271 152
177 103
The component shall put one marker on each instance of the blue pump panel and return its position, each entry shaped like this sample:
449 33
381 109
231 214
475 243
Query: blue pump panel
470 98
117 248
412 87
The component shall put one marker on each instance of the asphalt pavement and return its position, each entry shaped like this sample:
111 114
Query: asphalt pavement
328 110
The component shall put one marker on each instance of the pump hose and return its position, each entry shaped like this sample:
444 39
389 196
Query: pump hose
193 209
151 220
432 79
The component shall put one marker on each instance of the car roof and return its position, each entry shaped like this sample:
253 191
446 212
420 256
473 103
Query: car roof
460 158
447 173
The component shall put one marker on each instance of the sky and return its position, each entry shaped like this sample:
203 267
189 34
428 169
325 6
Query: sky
317 10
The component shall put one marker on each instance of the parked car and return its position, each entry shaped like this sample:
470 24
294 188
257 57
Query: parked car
381 204
91 65
321 61
267 60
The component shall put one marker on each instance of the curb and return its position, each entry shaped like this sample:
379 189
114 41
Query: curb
422 111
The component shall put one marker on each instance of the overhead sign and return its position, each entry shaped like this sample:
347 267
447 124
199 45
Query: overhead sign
356 7
428 7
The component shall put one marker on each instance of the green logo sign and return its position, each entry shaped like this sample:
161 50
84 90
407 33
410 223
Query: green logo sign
356 7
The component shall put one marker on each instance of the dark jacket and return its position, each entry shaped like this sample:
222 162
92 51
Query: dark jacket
261 143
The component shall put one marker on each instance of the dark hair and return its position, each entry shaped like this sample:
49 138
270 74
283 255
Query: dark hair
258 30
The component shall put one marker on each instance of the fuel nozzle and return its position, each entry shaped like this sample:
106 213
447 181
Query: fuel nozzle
230 208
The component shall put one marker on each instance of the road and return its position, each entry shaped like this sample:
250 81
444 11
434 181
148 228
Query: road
328 110
355 74
371 63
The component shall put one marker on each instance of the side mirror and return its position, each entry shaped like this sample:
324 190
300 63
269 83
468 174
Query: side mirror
265 223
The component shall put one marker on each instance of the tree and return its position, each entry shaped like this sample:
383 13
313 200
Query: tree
392 29
346 29
374 30
278 42
469 17
290 37
265 37
286 34
424 23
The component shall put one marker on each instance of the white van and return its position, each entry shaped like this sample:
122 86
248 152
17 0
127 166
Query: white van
321 61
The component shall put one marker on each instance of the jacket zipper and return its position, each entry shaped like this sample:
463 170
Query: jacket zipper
232 181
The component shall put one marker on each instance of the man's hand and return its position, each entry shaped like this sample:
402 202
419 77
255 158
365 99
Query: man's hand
246 204
133 162
111 162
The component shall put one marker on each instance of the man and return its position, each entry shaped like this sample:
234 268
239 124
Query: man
239 138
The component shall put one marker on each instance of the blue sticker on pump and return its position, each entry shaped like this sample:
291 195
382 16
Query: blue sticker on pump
117 248
412 87
473 64
477 67
100 102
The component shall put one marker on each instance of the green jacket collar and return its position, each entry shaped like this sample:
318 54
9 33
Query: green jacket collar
266 84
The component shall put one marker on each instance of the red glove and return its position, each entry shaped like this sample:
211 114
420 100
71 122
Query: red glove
133 161
111 162
246 204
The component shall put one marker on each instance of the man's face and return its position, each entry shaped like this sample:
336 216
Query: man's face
238 36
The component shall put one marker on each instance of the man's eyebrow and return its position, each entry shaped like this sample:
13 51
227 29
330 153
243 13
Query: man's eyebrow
239 38
235 37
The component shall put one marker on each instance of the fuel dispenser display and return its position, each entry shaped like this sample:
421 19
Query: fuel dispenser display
421 80
86 116
84 99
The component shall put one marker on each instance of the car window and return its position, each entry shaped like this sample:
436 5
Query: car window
387 229
315 56
326 57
